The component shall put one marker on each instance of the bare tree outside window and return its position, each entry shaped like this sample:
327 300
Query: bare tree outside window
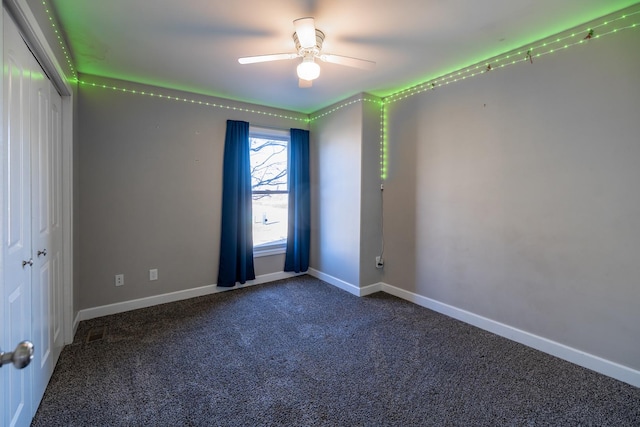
270 190
268 165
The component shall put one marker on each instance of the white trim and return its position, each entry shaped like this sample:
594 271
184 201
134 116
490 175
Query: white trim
562 351
339 283
371 289
121 307
38 43
346 286
267 132
579 357
269 250
76 323
67 219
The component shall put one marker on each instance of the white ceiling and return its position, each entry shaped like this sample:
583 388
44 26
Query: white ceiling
193 45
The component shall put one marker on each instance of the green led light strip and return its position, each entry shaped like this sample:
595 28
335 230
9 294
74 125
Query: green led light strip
193 101
343 105
383 127
524 54
61 41
517 56
383 141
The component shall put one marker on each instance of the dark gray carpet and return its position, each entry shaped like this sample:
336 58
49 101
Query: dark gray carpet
300 352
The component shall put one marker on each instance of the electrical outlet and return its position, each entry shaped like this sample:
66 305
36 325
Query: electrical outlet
379 262
119 279
153 274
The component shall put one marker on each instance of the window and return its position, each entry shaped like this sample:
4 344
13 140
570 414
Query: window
270 189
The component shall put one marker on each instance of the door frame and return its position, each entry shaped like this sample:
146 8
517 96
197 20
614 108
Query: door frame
37 42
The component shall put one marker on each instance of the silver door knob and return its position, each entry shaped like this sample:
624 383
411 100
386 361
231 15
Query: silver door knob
42 252
29 263
20 357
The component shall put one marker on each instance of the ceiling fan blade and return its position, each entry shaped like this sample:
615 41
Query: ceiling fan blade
305 83
266 58
348 61
306 31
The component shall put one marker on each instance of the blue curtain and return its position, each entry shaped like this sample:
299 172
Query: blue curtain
236 239
298 236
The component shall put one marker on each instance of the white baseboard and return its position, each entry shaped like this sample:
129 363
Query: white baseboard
579 357
339 283
121 307
371 289
76 322
562 351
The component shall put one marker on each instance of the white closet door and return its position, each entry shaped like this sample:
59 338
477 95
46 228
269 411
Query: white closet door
42 291
46 230
16 222
31 292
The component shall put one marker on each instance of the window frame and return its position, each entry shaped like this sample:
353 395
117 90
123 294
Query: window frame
268 249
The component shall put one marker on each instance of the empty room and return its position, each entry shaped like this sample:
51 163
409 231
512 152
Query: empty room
320 213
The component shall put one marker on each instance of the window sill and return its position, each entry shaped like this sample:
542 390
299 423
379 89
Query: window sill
269 250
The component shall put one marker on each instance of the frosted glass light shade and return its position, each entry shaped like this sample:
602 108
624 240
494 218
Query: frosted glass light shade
308 70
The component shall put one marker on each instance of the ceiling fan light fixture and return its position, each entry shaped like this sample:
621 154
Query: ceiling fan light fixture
308 69
308 41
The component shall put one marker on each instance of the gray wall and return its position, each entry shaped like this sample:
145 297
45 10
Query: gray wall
150 190
76 202
370 196
511 195
336 149
514 195
346 200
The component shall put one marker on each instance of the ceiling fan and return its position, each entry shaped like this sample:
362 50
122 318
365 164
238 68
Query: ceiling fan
308 41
